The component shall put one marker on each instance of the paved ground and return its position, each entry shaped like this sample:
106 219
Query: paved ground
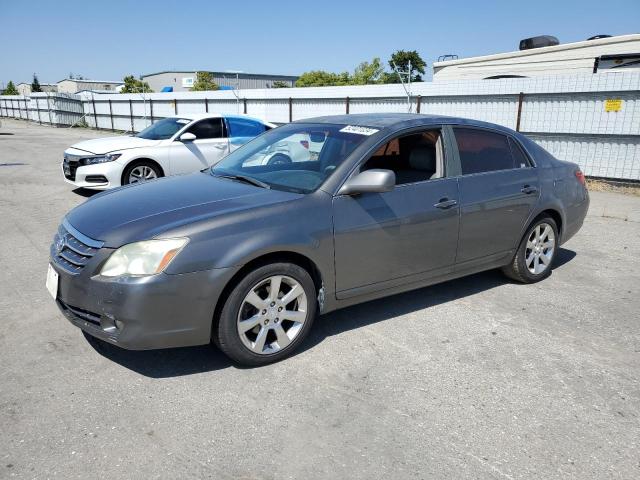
475 378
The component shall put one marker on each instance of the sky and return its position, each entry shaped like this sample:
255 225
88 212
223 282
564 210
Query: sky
109 39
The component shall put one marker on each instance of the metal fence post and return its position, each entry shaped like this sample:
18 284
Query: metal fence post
131 114
206 108
290 109
418 103
95 115
519 117
111 116
347 102
175 106
151 109
26 107
244 102
38 110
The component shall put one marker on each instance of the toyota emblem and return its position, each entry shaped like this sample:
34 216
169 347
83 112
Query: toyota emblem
60 243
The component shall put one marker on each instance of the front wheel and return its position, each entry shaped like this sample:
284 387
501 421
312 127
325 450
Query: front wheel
534 259
140 172
267 314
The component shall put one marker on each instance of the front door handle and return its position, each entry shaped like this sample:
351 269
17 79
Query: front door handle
445 203
528 189
220 147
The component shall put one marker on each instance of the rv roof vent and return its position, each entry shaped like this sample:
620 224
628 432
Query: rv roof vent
537 42
596 37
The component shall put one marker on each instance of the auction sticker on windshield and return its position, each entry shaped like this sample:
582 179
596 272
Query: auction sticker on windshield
359 130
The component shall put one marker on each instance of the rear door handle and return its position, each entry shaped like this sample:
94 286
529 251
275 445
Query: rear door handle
445 203
528 189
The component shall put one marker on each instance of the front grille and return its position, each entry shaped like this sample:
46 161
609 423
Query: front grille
71 250
69 165
81 314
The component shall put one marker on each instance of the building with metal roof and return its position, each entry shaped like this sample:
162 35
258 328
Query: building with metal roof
182 81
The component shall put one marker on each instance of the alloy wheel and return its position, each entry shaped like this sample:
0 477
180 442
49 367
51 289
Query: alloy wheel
142 173
272 314
540 248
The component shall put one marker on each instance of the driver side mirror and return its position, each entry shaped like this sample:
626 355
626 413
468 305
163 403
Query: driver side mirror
187 137
369 181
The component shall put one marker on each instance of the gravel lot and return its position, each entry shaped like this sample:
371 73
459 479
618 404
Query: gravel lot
475 378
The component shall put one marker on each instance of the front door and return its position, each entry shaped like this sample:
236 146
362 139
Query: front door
209 147
408 234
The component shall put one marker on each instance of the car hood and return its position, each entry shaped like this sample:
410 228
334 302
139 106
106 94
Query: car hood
143 211
112 144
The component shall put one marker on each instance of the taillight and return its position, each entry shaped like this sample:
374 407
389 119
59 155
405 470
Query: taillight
305 143
580 177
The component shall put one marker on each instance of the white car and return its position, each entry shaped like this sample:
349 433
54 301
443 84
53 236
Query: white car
302 147
171 146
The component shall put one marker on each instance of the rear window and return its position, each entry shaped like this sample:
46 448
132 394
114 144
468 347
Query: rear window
483 151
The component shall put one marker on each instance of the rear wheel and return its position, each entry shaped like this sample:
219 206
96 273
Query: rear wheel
140 172
534 259
267 314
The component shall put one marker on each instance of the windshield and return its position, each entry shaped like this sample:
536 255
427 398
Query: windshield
163 129
297 157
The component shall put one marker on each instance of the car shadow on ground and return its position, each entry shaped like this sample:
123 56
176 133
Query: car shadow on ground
174 362
85 192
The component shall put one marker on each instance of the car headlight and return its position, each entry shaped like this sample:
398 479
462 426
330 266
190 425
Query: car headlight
109 157
143 258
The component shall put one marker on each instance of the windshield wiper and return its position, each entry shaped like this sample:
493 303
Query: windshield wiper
244 179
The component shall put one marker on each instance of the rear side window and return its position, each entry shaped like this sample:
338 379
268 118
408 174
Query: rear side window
208 128
519 158
483 151
244 127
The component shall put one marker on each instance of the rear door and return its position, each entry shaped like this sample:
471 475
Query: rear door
498 190
209 147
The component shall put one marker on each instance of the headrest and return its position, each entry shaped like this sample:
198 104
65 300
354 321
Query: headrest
423 158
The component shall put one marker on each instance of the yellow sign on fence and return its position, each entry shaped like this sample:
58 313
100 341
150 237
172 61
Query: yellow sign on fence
613 105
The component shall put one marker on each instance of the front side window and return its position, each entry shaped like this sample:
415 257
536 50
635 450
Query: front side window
297 157
207 128
163 129
483 151
244 127
413 158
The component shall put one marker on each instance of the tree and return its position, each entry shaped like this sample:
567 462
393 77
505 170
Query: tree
320 78
204 82
134 85
35 84
11 89
367 73
280 84
401 59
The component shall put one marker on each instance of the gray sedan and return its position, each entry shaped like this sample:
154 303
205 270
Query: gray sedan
247 253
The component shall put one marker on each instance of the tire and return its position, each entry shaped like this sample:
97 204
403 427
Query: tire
524 267
279 159
251 329
141 166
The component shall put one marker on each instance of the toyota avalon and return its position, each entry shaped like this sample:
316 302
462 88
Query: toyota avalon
247 253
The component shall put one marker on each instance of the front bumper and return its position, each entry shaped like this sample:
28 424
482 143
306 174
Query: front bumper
141 313
102 176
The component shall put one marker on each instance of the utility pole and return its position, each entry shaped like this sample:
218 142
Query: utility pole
406 84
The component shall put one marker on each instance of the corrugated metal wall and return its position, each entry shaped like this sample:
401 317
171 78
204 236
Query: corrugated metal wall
569 116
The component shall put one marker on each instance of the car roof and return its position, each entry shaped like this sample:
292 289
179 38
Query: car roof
201 116
397 121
